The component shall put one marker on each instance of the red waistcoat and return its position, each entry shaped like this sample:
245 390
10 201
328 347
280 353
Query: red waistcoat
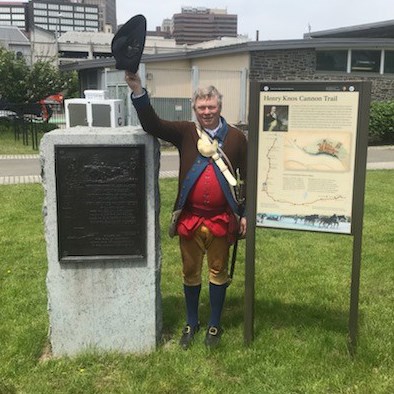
206 204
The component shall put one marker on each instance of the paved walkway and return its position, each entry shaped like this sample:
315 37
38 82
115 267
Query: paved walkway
379 158
19 179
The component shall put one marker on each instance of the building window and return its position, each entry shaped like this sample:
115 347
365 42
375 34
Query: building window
366 61
74 54
389 62
18 17
91 16
331 60
40 19
40 12
55 13
91 23
40 5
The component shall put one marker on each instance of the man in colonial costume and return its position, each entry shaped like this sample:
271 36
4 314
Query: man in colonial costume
207 215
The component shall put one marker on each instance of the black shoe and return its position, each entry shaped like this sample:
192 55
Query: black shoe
212 338
188 335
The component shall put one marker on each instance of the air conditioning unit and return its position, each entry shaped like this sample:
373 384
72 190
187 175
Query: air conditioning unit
96 94
94 113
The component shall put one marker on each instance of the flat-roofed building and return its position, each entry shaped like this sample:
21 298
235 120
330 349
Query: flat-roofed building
13 14
198 24
107 14
59 16
13 40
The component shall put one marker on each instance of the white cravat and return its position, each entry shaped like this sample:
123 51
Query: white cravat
212 132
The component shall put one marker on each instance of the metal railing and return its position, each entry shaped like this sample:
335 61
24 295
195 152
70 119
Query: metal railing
27 120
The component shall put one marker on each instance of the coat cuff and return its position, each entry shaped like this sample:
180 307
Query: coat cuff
140 101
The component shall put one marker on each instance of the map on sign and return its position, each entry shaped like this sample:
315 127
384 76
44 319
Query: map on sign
306 160
317 153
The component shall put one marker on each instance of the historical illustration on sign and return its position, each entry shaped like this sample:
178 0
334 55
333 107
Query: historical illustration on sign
306 160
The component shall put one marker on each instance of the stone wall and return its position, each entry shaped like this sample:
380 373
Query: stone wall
300 64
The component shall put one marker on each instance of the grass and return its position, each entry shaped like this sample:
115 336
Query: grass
301 313
11 146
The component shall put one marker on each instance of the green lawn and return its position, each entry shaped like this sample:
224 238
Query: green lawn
301 314
9 145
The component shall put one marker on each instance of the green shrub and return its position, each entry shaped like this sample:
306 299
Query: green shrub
381 123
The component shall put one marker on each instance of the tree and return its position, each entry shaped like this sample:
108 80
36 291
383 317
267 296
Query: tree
20 83
42 81
13 74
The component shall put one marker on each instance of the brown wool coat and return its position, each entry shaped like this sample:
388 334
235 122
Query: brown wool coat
183 135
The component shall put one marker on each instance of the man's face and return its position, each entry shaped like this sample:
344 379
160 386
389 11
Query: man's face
207 112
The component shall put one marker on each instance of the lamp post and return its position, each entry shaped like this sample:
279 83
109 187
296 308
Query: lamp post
57 35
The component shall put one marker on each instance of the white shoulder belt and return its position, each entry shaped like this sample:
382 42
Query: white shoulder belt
209 148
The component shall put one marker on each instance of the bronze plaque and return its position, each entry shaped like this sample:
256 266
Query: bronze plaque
101 202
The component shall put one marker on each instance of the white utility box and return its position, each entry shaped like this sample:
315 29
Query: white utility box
94 113
96 94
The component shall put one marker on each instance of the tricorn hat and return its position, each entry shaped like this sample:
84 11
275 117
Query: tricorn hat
128 44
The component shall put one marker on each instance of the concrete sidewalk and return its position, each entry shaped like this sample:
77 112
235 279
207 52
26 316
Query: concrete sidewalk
31 164
26 168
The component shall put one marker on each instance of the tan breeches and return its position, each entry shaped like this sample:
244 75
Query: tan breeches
193 251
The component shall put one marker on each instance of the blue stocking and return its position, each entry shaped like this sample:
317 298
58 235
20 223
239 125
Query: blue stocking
192 296
217 294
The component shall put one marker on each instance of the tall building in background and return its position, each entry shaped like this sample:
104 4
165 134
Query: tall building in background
195 25
59 16
107 14
13 14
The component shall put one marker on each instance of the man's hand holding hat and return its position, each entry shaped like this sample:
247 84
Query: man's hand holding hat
134 82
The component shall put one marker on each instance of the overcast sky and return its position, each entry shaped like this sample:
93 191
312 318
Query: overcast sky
275 20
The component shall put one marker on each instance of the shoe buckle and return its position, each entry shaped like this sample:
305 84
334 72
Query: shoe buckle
213 331
187 329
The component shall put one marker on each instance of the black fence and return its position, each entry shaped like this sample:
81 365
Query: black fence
28 120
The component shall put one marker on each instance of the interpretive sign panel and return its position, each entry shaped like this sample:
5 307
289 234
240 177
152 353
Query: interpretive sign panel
307 160
306 156
100 202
